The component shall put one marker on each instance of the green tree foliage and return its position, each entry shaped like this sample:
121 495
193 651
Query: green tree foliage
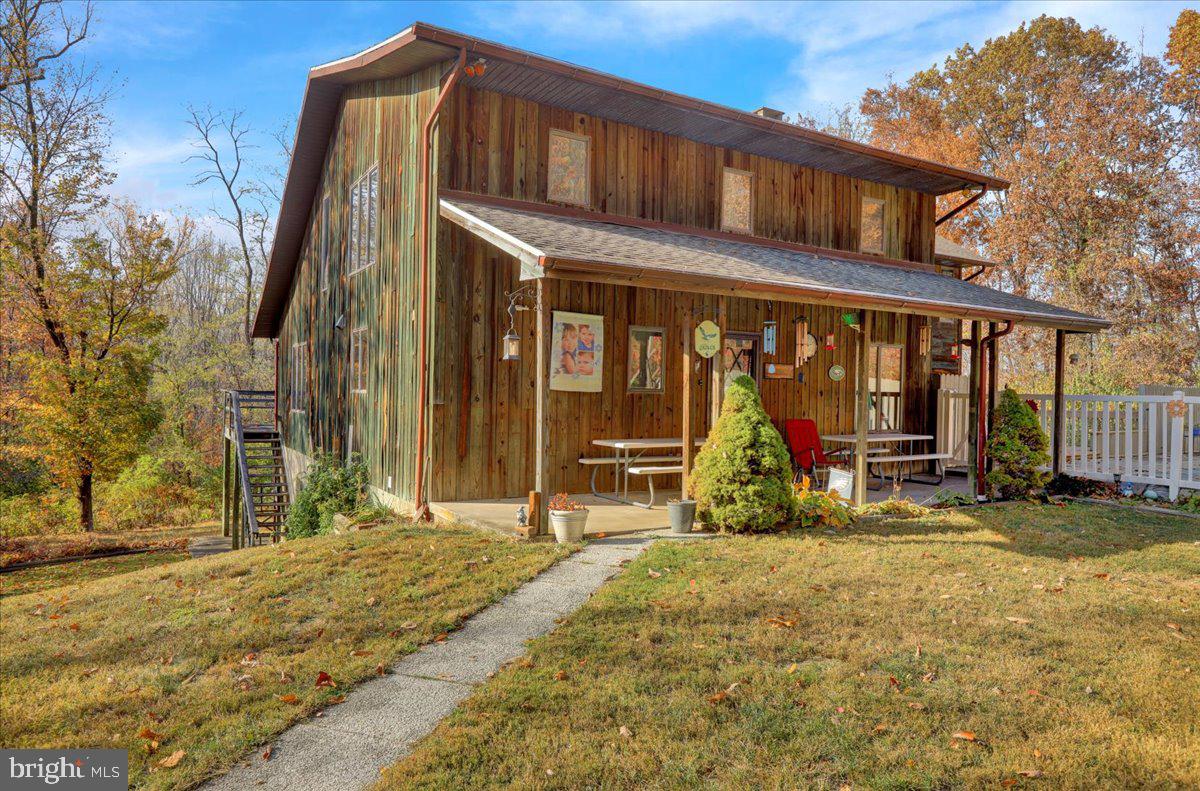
743 476
87 410
1017 446
329 488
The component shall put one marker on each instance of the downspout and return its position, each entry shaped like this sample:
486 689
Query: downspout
987 345
422 507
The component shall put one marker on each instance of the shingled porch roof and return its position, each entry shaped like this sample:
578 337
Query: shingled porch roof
553 243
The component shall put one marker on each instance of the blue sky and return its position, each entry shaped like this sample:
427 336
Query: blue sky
796 57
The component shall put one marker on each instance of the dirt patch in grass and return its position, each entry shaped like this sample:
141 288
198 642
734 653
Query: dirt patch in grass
216 655
1023 646
24 549
77 572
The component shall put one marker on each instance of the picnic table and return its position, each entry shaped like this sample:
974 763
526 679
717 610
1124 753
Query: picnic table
629 458
896 453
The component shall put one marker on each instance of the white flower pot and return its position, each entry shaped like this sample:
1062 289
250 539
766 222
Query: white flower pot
568 525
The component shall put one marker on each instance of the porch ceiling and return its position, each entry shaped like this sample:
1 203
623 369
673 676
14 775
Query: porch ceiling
554 243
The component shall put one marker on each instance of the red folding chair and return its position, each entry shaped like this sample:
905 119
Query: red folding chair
804 443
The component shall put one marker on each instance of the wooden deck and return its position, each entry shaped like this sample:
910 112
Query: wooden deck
616 519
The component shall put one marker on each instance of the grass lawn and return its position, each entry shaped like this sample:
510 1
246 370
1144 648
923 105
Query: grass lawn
213 656
40 578
1017 646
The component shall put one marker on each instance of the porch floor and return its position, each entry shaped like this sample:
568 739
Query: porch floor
617 518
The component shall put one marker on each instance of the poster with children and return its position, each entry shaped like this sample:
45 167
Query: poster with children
577 352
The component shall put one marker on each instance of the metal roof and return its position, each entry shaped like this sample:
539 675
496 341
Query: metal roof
952 251
550 244
524 74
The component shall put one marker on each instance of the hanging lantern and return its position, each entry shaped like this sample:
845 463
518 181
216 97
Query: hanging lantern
955 350
830 345
511 342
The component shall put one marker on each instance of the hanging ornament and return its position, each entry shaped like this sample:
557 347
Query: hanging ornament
769 337
830 345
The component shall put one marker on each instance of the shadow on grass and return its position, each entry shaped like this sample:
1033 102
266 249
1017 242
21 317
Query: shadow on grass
1059 532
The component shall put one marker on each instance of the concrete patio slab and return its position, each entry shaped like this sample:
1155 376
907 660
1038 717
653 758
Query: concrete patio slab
382 719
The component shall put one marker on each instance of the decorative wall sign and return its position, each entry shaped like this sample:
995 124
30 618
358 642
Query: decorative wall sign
736 197
944 354
577 352
568 169
837 373
708 339
779 371
644 373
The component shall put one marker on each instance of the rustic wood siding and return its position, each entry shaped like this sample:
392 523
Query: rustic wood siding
379 122
497 145
484 416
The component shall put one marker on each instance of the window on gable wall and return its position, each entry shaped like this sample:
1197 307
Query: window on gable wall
568 171
325 231
871 233
364 213
298 385
358 360
736 195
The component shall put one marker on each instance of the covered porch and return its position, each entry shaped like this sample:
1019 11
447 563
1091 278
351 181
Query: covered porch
612 518
606 337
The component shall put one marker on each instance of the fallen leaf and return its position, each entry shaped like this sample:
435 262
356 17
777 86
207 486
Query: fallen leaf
1014 619
266 756
792 668
380 670
1174 626
916 706
172 759
178 584
723 694
325 680
652 574
1101 576
361 653
74 627
146 733
1031 773
602 535
966 736
289 698
336 699
777 622
371 602
560 675
625 732
1008 782
441 638
893 681
880 728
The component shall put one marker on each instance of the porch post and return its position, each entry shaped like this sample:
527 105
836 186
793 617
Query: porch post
718 376
973 385
686 384
1060 419
538 517
993 367
861 410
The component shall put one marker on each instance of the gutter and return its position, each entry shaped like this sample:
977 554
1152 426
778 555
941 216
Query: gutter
419 500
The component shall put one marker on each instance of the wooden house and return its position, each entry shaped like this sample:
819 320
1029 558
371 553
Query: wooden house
438 180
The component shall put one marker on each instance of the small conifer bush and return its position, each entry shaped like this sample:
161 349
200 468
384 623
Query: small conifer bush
742 481
329 487
1018 447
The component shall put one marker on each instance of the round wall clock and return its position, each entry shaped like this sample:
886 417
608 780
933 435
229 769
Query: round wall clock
837 373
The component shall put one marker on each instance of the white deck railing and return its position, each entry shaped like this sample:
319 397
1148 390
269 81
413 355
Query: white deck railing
1141 439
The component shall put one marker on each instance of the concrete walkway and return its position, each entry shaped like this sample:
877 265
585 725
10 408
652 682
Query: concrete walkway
382 719
208 545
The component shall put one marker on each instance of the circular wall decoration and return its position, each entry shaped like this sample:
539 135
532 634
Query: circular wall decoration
837 373
810 345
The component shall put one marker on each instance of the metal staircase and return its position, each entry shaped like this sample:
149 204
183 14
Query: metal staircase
256 498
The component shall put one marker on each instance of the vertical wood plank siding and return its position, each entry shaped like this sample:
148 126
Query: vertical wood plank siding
482 420
378 122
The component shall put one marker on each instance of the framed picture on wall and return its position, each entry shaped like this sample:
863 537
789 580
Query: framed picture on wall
577 352
645 369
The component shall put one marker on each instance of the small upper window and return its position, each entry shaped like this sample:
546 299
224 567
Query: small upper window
360 243
870 239
736 192
568 178
299 377
324 243
358 360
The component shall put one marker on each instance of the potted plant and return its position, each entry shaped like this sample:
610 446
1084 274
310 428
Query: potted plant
567 517
682 514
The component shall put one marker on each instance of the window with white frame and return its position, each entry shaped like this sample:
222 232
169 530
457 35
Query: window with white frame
324 243
871 226
364 213
359 360
298 388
